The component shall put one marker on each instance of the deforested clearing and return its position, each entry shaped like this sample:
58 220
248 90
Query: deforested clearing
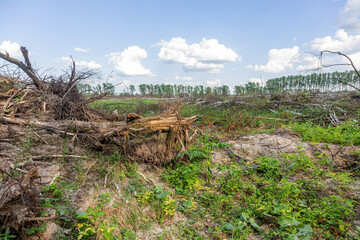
260 165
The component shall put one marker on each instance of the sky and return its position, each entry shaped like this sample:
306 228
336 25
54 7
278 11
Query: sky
202 42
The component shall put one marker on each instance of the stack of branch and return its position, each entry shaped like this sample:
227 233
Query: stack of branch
55 103
50 97
323 108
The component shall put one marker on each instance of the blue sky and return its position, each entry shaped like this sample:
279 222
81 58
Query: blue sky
181 42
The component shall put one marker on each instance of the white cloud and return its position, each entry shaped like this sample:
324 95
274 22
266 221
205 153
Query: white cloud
208 55
216 83
342 42
345 40
12 48
349 17
90 65
186 78
308 62
210 50
279 60
256 80
128 61
250 66
84 50
355 57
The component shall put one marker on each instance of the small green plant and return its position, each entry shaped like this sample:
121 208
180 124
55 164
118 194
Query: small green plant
7 235
161 200
93 221
34 230
185 178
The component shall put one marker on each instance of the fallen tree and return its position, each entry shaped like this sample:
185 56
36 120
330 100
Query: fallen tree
157 139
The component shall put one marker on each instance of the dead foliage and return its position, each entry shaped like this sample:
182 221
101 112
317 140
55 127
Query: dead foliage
319 107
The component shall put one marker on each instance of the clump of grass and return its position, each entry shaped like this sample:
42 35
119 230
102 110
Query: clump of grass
347 133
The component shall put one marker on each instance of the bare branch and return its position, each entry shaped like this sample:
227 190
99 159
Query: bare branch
344 55
321 66
26 68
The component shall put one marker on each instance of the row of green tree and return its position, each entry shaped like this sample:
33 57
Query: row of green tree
315 82
87 89
178 90
334 81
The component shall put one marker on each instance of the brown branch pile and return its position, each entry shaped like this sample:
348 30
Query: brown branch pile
56 98
54 105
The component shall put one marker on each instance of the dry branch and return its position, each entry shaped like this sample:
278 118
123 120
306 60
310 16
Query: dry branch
351 63
26 68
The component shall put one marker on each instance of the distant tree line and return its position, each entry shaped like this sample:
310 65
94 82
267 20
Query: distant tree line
87 89
313 82
179 90
333 82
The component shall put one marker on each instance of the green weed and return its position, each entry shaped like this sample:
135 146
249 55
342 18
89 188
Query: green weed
347 133
161 200
7 235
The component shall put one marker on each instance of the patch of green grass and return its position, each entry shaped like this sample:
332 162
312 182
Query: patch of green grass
283 197
347 133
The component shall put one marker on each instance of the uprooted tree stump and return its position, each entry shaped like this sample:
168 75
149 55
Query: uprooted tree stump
157 139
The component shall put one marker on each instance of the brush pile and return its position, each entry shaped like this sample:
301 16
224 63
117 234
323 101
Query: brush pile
54 105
